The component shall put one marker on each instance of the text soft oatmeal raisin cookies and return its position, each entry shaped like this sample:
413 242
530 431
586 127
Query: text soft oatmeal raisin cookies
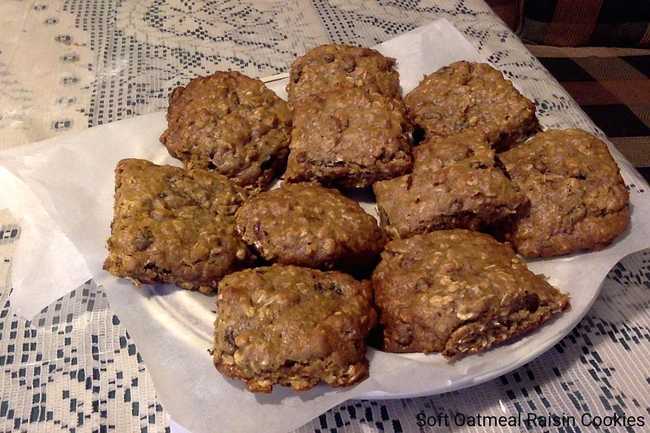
458 292
578 200
334 66
174 226
292 326
467 95
229 123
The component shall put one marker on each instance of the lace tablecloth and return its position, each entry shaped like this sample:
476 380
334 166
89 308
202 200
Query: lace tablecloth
66 65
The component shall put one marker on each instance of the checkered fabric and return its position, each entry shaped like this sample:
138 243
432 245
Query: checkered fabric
586 22
615 93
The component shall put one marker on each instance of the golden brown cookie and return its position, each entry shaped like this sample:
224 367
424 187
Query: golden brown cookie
308 225
292 326
229 123
349 139
454 184
336 66
458 292
578 200
174 226
467 95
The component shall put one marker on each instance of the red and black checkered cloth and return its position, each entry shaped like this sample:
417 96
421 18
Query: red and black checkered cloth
615 93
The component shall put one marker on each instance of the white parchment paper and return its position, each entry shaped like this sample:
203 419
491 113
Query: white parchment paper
62 192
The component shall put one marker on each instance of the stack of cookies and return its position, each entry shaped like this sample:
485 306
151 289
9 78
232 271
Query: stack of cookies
303 273
350 124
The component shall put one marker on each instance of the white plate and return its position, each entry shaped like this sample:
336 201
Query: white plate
63 191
